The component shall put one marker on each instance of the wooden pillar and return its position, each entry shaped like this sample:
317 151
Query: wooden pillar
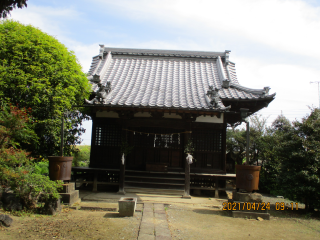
216 187
224 147
121 179
93 141
122 166
248 143
95 182
187 181
186 193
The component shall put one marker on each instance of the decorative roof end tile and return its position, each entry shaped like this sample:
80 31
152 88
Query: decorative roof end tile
95 78
214 97
266 91
101 94
101 51
213 94
226 54
226 83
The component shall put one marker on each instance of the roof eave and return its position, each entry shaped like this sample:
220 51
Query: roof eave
150 108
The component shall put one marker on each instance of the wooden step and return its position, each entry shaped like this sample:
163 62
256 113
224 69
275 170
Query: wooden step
154 185
174 192
155 177
155 174
150 179
156 180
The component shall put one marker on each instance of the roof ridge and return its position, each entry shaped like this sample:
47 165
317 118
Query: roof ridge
264 91
142 79
164 52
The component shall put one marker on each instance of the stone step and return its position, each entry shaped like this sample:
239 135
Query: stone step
70 198
67 187
154 223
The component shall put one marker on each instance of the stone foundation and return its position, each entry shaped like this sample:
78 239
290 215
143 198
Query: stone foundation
69 195
247 205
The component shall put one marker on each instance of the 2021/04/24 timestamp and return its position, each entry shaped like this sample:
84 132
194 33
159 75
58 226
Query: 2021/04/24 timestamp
237 206
245 206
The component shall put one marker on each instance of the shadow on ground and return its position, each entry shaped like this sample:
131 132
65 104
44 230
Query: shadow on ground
112 215
211 212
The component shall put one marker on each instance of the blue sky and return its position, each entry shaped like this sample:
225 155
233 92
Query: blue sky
273 42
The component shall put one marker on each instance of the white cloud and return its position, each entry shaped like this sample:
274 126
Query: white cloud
291 26
52 21
291 83
47 19
280 26
84 52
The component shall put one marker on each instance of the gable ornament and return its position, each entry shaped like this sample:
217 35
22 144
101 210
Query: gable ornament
226 83
101 94
265 91
94 78
213 94
214 97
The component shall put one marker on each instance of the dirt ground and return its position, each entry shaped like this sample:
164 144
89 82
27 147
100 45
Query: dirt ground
190 222
73 224
186 221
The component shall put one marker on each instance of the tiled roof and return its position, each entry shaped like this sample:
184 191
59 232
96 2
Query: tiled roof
167 79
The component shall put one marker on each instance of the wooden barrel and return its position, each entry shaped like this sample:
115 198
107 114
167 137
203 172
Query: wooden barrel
247 177
60 168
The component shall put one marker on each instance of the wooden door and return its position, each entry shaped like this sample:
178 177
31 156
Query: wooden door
105 144
208 150
155 145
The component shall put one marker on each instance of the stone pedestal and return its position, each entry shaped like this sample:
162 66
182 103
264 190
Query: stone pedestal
127 206
69 195
247 205
247 197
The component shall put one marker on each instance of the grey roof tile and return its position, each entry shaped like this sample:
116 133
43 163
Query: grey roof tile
164 78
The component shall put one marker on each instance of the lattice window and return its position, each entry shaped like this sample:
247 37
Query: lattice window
108 135
196 181
111 177
164 138
207 139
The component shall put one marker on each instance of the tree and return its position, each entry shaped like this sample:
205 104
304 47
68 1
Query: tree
258 133
6 6
290 154
81 158
38 72
236 140
14 127
299 153
17 173
270 156
261 150
236 144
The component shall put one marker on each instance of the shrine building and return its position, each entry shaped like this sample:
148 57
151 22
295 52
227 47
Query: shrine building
157 105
